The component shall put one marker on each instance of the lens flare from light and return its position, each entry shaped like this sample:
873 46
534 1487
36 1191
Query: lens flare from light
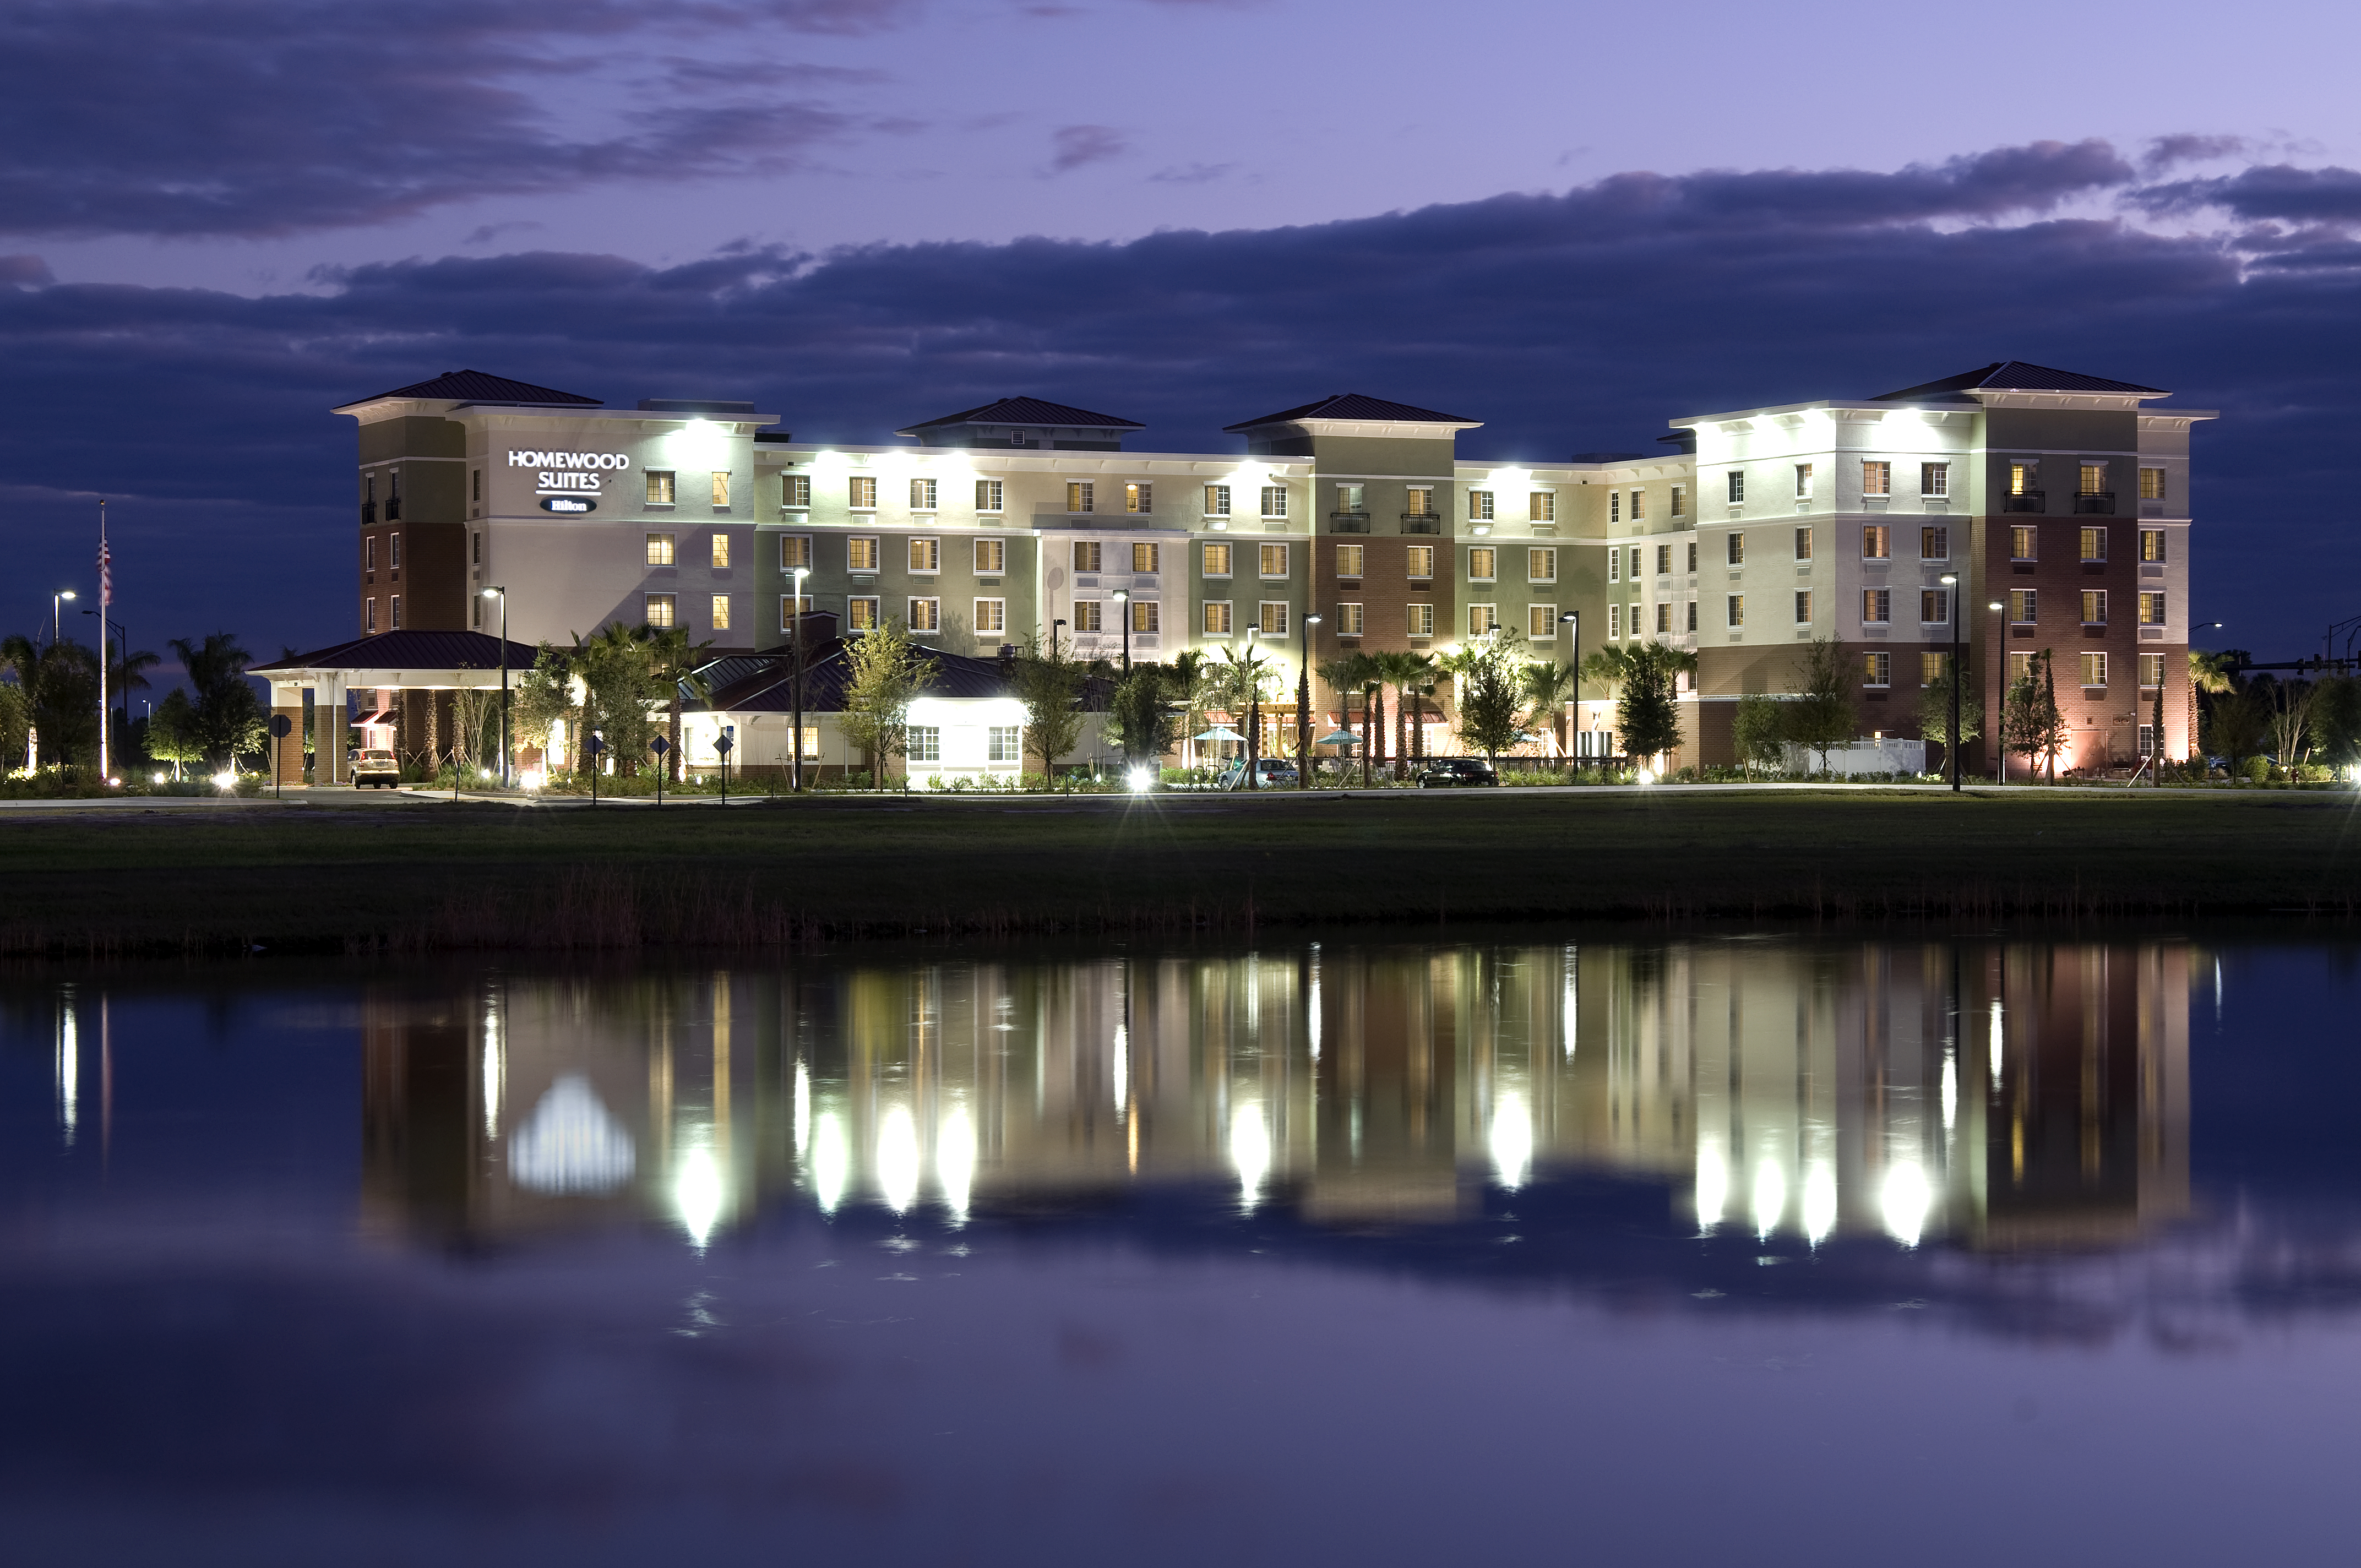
226 781
1142 780
1905 1199
897 1159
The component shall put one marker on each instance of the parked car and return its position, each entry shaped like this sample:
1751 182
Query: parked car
380 768
1458 773
1273 773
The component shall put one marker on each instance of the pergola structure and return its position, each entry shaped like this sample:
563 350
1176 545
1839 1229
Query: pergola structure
381 668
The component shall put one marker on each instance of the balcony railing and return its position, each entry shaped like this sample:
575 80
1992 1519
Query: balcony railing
368 513
1349 521
2026 500
2102 502
393 508
1422 523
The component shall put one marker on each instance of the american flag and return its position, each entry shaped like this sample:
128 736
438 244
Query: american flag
105 572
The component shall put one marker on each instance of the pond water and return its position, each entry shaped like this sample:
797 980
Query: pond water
1772 1249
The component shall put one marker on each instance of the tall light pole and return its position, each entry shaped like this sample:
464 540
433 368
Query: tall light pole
1950 581
2000 709
797 743
57 615
496 591
1254 716
1121 598
1303 709
1573 619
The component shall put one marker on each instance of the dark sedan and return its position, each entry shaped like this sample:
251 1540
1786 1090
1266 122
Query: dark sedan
1458 773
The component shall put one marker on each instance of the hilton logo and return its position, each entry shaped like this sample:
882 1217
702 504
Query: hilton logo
568 503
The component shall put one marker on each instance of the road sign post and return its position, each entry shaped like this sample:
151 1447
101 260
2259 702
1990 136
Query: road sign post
662 749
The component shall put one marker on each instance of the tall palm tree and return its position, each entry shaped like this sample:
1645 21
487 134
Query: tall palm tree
1347 676
2210 673
1403 671
1549 686
674 660
1239 682
1191 685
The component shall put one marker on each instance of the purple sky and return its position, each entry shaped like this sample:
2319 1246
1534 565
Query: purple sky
217 218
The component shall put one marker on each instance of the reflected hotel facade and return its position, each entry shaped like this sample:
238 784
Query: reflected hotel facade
1993 1095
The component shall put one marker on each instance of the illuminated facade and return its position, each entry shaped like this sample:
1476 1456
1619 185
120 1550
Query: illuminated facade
2063 497
1996 1095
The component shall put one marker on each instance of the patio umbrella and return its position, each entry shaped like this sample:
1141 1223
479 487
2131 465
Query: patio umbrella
1340 738
1220 732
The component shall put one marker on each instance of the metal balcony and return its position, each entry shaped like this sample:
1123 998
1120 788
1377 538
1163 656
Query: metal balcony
368 513
1422 523
2102 502
2030 501
1348 522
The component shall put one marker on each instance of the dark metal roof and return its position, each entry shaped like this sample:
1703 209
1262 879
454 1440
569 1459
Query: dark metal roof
2017 376
409 651
766 682
1353 405
1028 413
476 387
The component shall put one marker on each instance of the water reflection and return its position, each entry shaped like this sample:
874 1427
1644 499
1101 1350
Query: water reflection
1993 1096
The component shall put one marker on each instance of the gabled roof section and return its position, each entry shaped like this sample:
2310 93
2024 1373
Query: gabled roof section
2017 376
1026 412
1354 405
480 387
764 682
408 651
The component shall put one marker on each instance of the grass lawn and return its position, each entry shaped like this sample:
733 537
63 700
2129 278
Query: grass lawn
345 872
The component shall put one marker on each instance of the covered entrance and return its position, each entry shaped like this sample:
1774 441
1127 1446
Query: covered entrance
403 680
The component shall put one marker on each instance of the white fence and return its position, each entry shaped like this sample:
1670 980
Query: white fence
1860 757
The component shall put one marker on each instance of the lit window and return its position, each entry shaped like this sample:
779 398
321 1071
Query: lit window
2094 606
1877 669
862 492
1139 497
861 614
1540 622
2023 606
1087 555
988 494
1086 615
1876 479
720 552
1421 620
2095 544
1479 506
788 605
1734 547
926 554
1541 506
926 615
1273 619
860 554
1802 482
922 495
1876 542
795 551
2151 481
1638 505
1541 565
2151 670
2094 481
1934 607
1419 500
1216 622
991 615
1737 609
660 492
1215 559
795 491
1422 562
1664 560
2152 545
1081 496
1144 615
2094 669
1483 563
1144 557
1348 621
1663 618
1877 606
1934 478
1934 544
1274 560
2020 668
1931 667
660 610
1274 500
2022 544
660 549
720 619
1349 559
1217 501
2025 478
991 556
721 489
2151 609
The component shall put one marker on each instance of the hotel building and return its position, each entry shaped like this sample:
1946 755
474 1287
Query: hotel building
2061 497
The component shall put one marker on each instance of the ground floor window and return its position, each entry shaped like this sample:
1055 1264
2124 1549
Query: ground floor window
1004 743
925 743
2148 739
811 741
1877 669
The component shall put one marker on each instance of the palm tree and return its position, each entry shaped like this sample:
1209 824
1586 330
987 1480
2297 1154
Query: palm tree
2210 674
1549 686
1403 671
1189 684
1237 683
1347 674
674 660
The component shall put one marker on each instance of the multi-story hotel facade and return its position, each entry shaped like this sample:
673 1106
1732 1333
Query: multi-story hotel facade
2061 497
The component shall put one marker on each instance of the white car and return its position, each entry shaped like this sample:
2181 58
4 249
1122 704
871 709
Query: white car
377 767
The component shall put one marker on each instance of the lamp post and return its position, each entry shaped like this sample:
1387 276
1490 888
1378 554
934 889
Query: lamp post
2000 659
122 640
1121 598
1950 581
1368 728
1573 619
796 743
1303 709
496 591
1254 716
57 615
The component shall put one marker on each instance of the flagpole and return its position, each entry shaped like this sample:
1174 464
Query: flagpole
105 598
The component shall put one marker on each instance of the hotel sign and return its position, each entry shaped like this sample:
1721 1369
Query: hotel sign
568 473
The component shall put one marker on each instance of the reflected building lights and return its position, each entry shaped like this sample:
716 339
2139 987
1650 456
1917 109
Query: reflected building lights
955 1161
1903 1200
494 1075
1950 1085
1249 1151
1712 1184
1511 1140
897 1159
832 1161
802 1113
1995 1051
69 1070
698 1195
1819 1201
1770 1205
571 1143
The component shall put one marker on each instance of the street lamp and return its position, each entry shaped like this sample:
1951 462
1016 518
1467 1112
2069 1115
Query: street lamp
2000 660
1121 598
797 741
500 594
1303 709
57 616
1950 581
1254 716
1573 617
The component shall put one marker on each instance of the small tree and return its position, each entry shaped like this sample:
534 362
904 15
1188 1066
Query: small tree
1822 717
173 734
1142 719
2291 720
229 716
1648 710
1935 715
2031 725
1049 685
884 673
620 694
1758 732
1489 678
540 699
16 724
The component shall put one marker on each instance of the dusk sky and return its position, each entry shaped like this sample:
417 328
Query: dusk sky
221 218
